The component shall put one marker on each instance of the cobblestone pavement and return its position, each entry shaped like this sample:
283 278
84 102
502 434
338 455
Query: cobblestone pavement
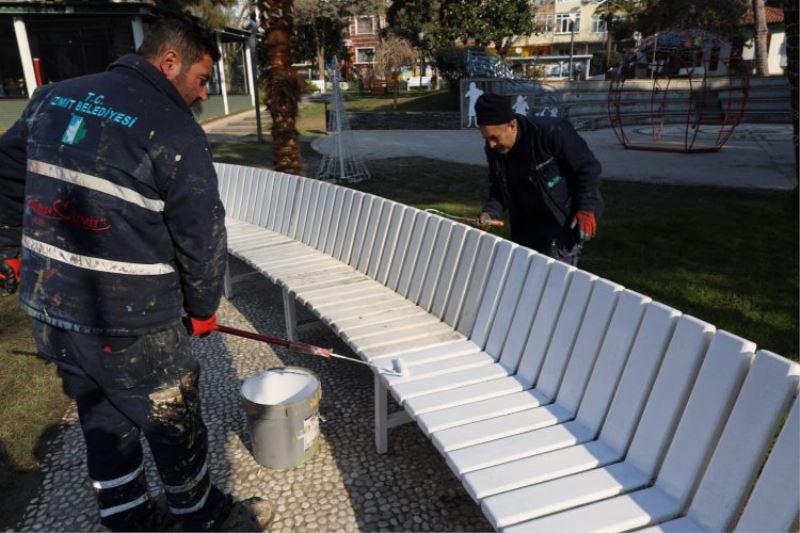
345 487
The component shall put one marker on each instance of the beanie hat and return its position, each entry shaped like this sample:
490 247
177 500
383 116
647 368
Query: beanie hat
493 109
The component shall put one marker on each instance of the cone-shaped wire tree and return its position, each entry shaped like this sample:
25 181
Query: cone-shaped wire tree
282 83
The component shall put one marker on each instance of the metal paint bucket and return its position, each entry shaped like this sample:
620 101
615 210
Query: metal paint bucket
282 407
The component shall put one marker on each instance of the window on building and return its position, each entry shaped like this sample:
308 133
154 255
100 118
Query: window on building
365 25
598 24
12 80
544 23
364 55
75 46
563 23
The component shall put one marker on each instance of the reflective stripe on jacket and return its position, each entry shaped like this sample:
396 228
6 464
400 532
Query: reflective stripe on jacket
123 224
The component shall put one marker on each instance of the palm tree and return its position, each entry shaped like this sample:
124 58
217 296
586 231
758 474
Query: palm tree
283 85
760 20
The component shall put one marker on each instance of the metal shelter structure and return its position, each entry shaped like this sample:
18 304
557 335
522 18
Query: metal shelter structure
697 95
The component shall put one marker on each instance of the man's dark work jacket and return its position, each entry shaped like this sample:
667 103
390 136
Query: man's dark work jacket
123 225
548 175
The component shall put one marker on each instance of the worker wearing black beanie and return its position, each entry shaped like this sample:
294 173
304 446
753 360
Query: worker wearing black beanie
543 174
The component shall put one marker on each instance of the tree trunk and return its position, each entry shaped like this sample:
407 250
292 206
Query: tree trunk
790 12
760 22
283 85
320 57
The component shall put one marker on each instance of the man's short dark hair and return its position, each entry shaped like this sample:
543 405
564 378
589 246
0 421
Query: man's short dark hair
182 34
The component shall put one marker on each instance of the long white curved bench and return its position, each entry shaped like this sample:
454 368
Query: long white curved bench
562 401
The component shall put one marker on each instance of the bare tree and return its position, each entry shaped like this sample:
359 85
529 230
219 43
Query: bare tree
283 85
393 52
760 21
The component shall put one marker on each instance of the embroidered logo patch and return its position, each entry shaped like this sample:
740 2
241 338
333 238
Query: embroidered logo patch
553 182
75 131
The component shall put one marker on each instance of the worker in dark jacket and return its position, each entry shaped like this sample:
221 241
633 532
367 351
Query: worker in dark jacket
112 227
544 175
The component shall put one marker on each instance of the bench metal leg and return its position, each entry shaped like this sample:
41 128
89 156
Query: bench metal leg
289 315
381 417
227 284
383 420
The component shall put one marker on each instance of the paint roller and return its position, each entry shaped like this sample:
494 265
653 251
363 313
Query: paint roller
398 366
467 220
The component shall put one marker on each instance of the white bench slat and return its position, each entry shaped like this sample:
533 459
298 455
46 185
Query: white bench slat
381 319
431 354
674 380
368 206
636 382
371 314
623 326
499 427
421 221
398 348
362 296
448 304
431 369
267 208
469 411
774 504
256 189
444 286
437 330
379 243
377 221
304 196
396 239
589 338
462 395
507 449
409 389
426 251
317 190
465 316
765 396
533 279
709 404
491 293
413 223
328 242
234 195
348 235
601 307
643 361
509 295
440 271
286 203
399 330
326 224
343 222
565 334
480 410
526 356
422 292
622 513
382 304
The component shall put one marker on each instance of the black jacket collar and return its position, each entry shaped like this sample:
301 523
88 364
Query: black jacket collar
146 69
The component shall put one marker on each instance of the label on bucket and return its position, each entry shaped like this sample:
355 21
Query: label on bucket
310 430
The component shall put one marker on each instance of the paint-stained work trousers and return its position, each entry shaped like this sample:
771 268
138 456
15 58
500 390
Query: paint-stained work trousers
125 386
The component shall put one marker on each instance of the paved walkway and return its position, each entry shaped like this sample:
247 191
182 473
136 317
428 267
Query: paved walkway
345 487
758 156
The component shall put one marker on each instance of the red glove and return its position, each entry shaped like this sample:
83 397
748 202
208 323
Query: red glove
200 327
587 226
9 275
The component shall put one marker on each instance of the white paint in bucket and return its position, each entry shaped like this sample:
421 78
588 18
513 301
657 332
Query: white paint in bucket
279 386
